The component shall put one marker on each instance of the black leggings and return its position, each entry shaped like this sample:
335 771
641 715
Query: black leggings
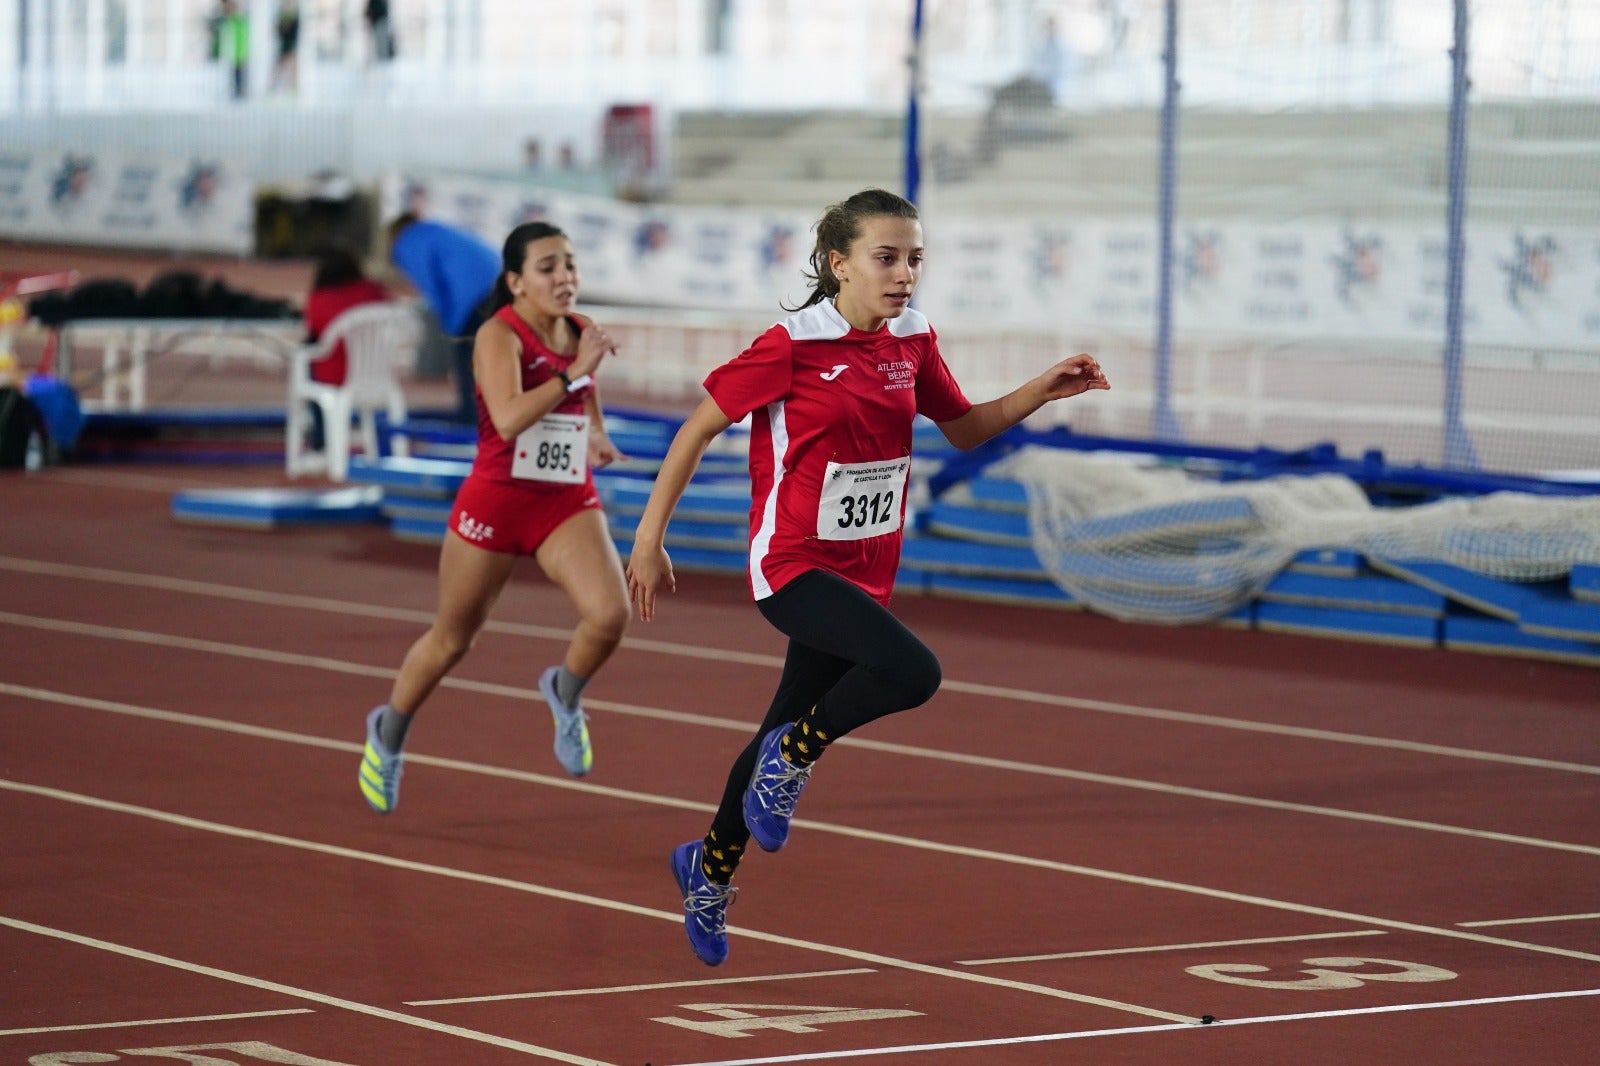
848 657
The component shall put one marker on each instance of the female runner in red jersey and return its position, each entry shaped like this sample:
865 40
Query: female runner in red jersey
530 492
832 392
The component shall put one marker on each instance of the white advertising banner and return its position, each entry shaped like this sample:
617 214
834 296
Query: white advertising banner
705 258
1320 279
79 197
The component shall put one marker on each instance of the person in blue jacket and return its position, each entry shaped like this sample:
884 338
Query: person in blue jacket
454 271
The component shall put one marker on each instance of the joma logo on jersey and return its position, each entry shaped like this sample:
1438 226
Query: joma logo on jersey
839 368
472 529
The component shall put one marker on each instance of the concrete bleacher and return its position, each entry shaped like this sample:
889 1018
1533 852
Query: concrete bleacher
1533 163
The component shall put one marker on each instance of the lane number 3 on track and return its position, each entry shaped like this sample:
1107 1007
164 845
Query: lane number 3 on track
1329 973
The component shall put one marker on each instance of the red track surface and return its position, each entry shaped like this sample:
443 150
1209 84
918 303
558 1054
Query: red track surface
188 864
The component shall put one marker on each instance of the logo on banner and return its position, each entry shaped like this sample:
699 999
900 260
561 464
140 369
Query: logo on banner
651 236
711 245
198 189
71 181
529 211
1530 268
776 248
1201 261
1357 268
1051 254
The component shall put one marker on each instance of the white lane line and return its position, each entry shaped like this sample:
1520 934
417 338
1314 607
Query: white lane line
584 899
562 993
1174 947
961 1045
334 606
140 1023
851 832
913 751
135 482
300 993
1531 921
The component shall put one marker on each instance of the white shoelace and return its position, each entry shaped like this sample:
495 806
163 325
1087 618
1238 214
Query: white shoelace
709 905
779 790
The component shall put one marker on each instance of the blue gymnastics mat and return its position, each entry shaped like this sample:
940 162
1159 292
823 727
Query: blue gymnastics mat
277 508
1359 592
1545 607
1585 582
1378 627
1492 636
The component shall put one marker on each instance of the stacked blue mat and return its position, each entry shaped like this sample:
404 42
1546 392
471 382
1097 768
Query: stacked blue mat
981 549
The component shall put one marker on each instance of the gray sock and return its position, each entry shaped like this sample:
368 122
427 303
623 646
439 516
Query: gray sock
392 726
569 686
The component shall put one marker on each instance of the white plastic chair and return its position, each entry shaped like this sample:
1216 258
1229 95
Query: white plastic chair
381 341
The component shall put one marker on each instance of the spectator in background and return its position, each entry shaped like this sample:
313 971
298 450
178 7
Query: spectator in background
1051 62
286 71
1117 19
337 285
382 31
231 37
454 271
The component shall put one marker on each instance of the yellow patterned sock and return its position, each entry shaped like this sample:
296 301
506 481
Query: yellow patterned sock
719 861
804 743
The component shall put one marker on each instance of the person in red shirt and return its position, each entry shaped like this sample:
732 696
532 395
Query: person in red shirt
531 491
832 392
337 285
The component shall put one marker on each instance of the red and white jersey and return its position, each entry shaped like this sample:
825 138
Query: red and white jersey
830 441
496 457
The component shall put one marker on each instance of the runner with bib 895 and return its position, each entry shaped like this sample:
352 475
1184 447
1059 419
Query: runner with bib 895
530 492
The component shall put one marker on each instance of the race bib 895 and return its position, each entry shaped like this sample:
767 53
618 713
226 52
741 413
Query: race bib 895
861 500
555 448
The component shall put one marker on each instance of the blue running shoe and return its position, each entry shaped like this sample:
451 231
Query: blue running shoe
705 904
572 728
773 791
381 768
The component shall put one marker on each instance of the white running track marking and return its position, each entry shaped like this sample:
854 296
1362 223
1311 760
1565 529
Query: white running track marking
654 799
674 916
1174 947
155 1021
1224 1024
424 618
1530 921
961 758
297 993
561 993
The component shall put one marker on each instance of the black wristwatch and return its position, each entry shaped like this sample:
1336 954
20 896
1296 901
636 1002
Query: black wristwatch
574 385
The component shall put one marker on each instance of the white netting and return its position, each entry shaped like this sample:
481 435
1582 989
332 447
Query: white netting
1153 543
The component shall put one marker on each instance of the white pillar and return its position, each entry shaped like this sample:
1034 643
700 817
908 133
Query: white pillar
437 48
94 47
11 71
61 66
133 50
262 17
172 56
